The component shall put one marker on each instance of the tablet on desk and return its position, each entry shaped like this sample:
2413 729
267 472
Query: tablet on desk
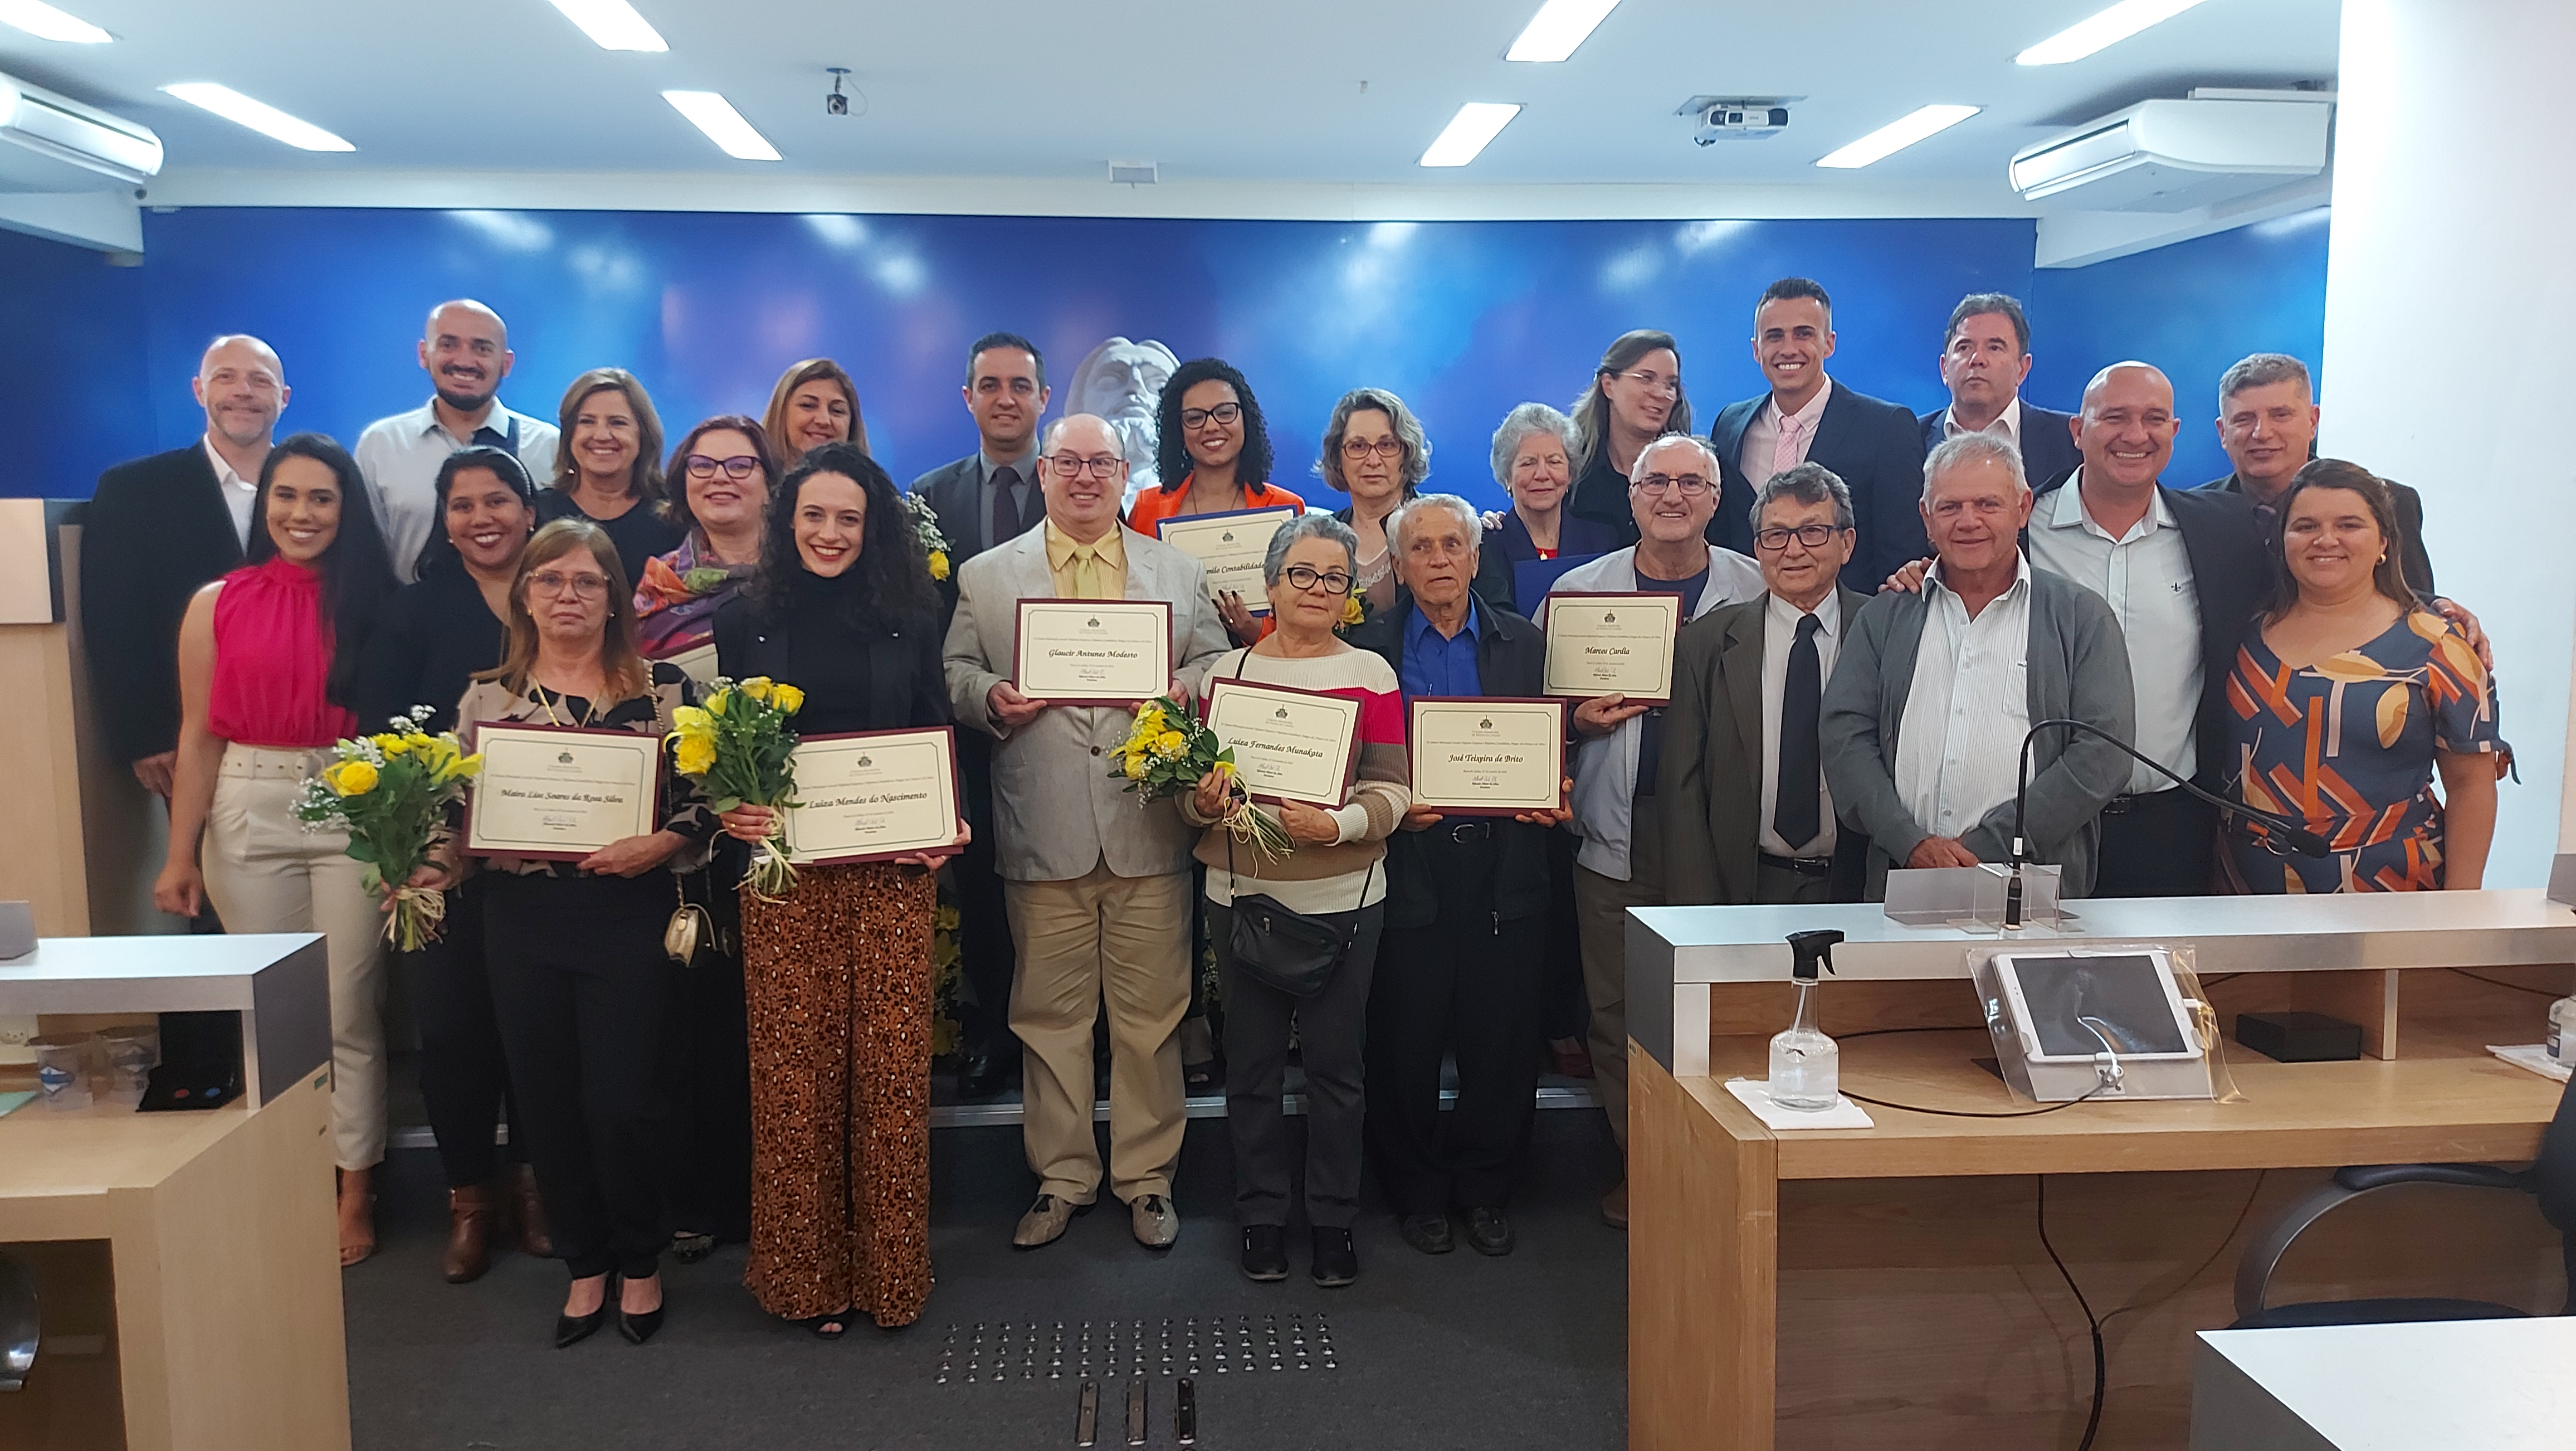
2069 1003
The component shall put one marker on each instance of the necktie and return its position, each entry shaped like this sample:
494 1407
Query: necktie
1006 506
1784 453
1086 572
1795 814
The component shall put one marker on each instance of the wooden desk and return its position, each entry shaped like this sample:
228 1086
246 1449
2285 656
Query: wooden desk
1888 1287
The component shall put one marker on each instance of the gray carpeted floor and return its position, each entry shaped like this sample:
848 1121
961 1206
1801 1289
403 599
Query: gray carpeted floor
1456 1351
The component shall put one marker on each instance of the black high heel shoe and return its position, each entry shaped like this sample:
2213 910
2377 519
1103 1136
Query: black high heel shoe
572 1330
638 1326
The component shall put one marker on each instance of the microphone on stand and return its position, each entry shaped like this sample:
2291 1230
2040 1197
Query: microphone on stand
2293 833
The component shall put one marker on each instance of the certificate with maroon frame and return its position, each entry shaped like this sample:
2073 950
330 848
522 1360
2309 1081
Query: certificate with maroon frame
559 793
1289 745
1233 545
1612 644
872 796
1093 652
1486 755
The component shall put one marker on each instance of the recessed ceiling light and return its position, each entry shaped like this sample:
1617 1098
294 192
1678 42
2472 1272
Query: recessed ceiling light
1896 135
45 22
2110 27
1476 123
612 24
1557 28
259 116
715 115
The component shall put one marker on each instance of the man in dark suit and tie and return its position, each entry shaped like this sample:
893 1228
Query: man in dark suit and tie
157 529
2267 422
988 498
1985 358
1746 814
1874 446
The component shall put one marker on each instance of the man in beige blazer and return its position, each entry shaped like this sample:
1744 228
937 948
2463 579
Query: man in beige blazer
1746 816
1098 886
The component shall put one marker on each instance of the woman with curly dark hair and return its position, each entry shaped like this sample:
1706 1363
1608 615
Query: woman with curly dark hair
838 973
1212 451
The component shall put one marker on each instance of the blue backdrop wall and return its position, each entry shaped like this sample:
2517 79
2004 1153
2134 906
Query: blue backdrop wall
1461 319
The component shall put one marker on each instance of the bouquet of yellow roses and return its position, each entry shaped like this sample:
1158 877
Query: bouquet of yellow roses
391 791
1168 750
737 747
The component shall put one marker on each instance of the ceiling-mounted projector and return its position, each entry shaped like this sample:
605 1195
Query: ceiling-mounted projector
51 143
2172 156
1736 118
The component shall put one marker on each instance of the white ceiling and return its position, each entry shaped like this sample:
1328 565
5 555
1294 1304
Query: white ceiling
1290 91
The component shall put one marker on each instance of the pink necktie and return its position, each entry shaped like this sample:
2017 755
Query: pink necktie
1785 453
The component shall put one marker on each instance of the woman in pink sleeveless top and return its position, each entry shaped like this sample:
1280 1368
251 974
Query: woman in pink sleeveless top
267 656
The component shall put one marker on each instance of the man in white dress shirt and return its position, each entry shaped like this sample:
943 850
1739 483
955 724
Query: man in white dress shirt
1745 812
465 349
1935 690
1672 491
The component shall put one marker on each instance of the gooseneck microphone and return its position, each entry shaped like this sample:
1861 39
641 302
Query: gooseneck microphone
2293 833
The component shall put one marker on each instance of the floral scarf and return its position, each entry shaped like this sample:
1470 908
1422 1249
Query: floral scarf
676 603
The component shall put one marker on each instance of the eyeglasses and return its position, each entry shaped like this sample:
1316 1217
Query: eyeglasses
737 468
1811 535
581 586
1356 449
1222 413
1072 466
1654 382
1654 485
1303 577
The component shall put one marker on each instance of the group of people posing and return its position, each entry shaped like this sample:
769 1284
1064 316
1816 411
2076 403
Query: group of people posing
1880 607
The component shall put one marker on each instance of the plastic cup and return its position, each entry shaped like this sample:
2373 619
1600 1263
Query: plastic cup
62 1069
132 1053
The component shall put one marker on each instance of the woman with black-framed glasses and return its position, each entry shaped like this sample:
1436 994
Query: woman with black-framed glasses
718 484
1635 397
1373 451
1213 453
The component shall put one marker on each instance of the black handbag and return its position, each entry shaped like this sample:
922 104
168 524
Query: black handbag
1291 952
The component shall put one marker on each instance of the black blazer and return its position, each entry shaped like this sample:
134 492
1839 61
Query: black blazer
2231 574
907 689
1710 788
430 637
2416 565
1874 446
156 531
1511 656
955 491
2047 441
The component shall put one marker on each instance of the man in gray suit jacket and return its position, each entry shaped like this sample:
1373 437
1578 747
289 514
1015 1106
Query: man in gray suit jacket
1745 813
1935 691
1099 886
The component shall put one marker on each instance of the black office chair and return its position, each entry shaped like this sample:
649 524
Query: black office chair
2552 1177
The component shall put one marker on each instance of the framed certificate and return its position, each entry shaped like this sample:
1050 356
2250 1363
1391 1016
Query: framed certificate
1094 652
560 793
1487 755
1289 745
1598 644
1232 544
873 795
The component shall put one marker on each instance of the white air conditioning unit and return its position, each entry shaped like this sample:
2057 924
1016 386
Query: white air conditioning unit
51 143
2174 156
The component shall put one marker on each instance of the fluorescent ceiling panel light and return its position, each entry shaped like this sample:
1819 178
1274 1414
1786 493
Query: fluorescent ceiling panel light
47 23
612 24
2110 27
1557 28
1896 135
259 116
724 125
1467 133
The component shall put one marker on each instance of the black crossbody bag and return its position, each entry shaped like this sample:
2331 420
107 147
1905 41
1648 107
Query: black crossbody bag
1295 953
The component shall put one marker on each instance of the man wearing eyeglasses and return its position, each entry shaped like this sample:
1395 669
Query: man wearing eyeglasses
1098 888
1672 494
1875 447
1745 811
465 349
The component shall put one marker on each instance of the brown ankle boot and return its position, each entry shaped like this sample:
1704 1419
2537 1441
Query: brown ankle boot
529 1210
471 1214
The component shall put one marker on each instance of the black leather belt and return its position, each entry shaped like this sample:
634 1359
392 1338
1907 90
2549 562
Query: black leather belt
2121 805
1805 866
1473 829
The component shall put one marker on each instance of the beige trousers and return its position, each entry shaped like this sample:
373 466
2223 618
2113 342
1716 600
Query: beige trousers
1601 924
266 873
1094 937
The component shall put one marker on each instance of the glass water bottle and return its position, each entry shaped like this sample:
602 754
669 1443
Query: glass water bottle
1806 1067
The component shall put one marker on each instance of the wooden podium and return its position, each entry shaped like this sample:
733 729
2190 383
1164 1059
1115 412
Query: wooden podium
1888 1286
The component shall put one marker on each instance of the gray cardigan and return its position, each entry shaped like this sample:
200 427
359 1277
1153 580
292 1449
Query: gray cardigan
2079 670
